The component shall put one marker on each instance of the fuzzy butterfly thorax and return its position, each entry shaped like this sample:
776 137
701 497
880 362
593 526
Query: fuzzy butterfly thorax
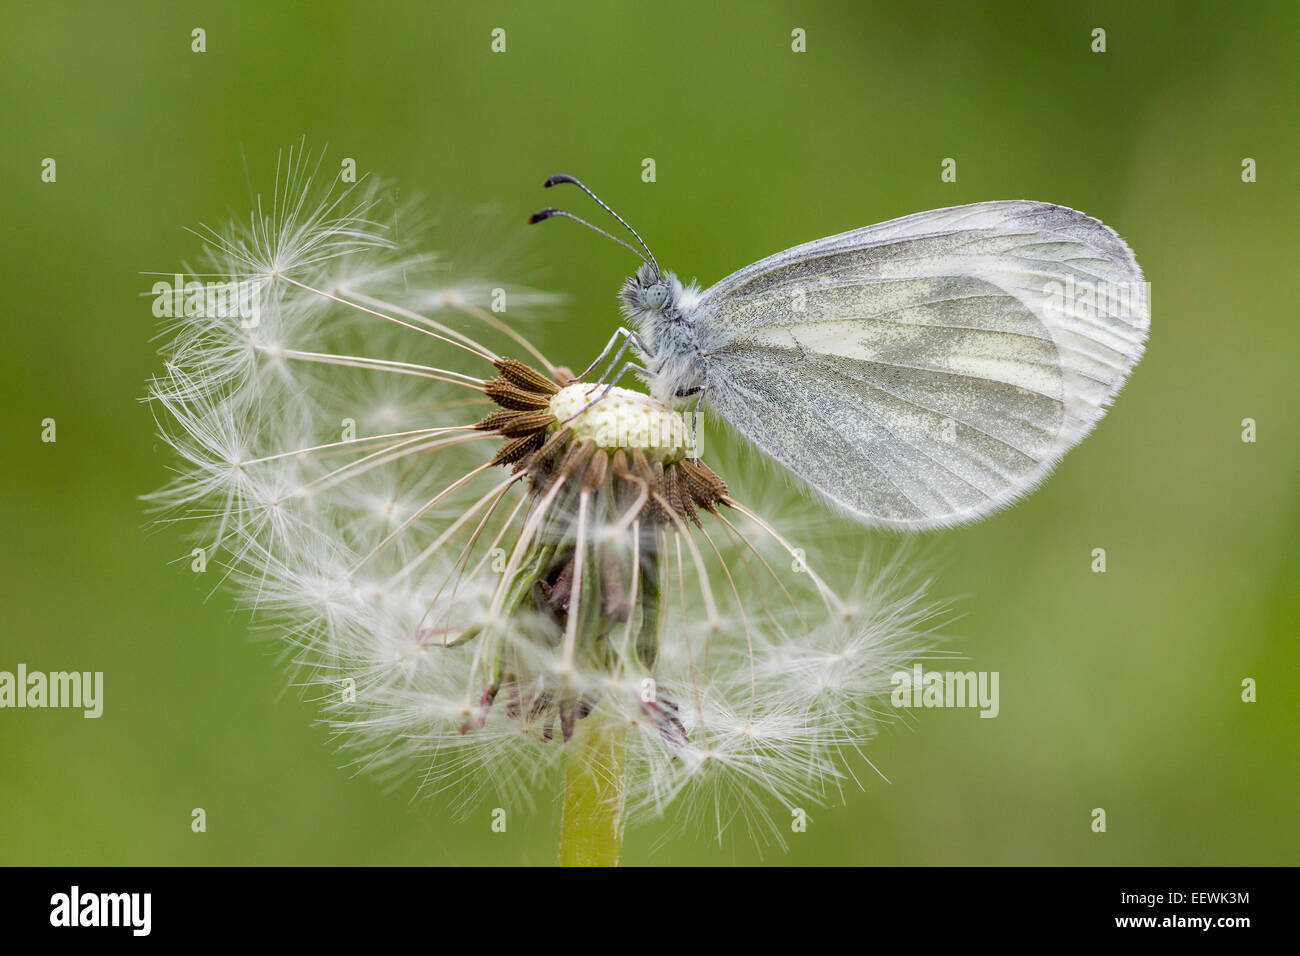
661 308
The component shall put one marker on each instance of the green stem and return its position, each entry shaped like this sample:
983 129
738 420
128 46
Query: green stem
591 833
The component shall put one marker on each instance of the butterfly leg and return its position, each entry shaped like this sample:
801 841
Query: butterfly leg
628 336
627 367
695 417
618 356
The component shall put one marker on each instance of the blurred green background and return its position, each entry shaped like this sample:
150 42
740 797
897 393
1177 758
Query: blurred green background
1118 690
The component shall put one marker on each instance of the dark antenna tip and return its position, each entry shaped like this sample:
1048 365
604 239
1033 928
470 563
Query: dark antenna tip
550 211
565 178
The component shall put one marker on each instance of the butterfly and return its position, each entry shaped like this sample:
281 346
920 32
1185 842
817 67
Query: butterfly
918 373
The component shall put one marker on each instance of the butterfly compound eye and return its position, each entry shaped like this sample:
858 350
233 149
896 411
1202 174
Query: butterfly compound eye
656 296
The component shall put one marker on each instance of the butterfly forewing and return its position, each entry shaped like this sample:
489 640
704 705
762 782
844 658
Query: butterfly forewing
924 371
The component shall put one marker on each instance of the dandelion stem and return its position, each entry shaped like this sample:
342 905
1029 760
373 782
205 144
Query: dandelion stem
591 832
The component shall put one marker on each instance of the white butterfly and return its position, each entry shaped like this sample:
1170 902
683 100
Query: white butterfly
918 373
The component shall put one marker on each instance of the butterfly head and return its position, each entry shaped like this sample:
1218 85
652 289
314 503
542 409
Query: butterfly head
646 291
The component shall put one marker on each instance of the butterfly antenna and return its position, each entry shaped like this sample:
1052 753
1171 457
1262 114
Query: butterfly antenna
563 178
543 214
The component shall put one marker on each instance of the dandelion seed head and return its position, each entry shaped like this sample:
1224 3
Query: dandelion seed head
464 558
